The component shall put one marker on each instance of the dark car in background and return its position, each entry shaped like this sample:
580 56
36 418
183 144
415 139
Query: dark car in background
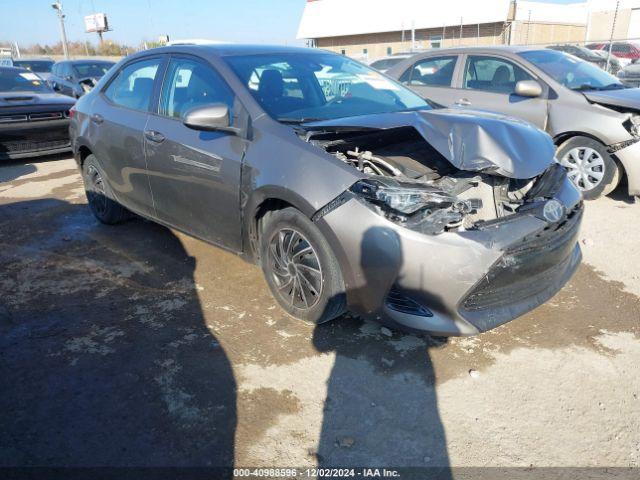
353 194
34 120
590 56
41 66
592 117
76 77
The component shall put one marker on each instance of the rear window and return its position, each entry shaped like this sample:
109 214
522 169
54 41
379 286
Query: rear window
97 69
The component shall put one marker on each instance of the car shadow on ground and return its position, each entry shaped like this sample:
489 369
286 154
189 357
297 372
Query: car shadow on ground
105 358
381 408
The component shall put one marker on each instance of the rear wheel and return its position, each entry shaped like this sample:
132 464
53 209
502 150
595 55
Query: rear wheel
300 268
590 166
99 195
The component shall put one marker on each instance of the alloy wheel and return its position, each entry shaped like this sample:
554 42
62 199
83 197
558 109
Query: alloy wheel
95 190
295 268
586 167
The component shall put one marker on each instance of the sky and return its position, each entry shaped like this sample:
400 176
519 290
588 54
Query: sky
133 21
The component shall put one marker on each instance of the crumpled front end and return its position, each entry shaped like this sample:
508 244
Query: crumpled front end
449 243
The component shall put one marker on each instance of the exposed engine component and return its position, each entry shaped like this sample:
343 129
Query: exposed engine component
415 185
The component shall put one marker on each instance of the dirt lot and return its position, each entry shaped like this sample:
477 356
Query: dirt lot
136 345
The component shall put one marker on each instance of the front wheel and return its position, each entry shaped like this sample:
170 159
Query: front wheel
590 166
300 268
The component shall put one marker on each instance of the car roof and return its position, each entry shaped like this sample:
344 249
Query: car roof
33 59
230 49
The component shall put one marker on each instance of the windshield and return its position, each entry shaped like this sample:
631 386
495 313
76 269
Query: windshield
21 81
298 87
570 71
34 65
96 69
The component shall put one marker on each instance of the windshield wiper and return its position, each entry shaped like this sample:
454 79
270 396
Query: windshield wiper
297 121
586 86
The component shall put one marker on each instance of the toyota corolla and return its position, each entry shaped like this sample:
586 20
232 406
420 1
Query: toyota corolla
347 189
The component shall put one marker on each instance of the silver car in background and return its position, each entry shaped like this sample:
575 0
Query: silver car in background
593 118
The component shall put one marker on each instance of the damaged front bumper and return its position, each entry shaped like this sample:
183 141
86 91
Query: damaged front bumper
455 283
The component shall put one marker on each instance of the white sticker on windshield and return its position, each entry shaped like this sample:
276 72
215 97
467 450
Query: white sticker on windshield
378 81
30 76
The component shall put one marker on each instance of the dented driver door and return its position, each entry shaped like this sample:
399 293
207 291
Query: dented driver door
194 175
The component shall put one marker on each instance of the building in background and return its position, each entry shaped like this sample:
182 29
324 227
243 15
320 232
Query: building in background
369 29
601 16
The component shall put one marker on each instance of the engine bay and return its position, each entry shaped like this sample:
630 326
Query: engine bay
400 161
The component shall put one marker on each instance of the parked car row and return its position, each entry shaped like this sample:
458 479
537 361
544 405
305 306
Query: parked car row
427 199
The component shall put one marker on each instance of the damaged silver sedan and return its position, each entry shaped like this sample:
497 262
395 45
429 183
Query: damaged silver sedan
350 191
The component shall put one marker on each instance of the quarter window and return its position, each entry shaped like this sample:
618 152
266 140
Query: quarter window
133 85
435 71
190 84
493 74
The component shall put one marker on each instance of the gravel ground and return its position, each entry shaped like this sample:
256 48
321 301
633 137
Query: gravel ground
137 345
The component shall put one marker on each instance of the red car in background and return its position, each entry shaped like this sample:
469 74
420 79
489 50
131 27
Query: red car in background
627 52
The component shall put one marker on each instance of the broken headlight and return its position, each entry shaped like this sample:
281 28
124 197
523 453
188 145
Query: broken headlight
403 198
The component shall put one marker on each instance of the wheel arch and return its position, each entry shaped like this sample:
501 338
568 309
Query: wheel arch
261 202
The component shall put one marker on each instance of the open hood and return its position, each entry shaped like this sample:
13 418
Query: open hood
469 139
624 97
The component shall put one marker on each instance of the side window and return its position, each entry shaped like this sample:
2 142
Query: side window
493 74
133 85
434 71
190 84
66 70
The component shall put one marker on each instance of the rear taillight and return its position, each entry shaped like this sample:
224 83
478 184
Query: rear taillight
72 112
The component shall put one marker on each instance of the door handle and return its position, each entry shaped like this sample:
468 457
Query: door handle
154 136
463 102
97 118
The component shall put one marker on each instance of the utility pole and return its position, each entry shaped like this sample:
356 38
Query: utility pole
613 29
57 6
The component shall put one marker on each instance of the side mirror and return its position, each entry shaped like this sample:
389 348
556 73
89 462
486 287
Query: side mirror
213 117
55 86
528 88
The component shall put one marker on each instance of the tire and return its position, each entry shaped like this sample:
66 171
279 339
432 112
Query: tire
99 194
300 267
590 166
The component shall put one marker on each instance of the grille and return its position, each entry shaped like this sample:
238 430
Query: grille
399 302
31 146
526 269
34 117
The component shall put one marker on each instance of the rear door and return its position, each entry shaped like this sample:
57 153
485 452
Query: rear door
488 83
119 118
195 175
433 78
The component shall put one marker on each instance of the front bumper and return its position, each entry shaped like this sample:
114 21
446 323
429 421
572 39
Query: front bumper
630 159
32 139
468 281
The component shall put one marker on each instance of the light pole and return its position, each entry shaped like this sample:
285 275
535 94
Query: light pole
57 6
613 29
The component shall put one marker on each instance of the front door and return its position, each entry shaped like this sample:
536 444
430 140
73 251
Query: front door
488 83
195 175
119 118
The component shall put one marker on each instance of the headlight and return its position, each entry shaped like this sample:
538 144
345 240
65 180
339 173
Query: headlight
403 198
